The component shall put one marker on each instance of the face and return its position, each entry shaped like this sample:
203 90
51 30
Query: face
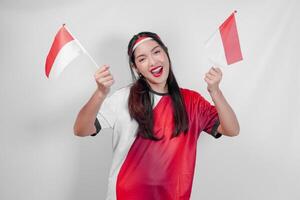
153 63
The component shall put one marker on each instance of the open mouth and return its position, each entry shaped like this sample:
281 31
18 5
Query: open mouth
157 71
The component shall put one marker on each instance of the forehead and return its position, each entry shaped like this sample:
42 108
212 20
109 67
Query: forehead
145 47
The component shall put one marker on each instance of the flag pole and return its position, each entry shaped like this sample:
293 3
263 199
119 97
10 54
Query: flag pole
206 41
85 51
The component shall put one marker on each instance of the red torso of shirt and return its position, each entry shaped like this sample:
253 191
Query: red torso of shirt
163 170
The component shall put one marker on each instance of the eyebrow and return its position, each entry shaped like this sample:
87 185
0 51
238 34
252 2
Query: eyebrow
151 51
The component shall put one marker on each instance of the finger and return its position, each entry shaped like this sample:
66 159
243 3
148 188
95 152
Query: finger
99 73
104 79
216 73
103 74
213 73
218 70
209 76
108 83
214 69
103 68
208 81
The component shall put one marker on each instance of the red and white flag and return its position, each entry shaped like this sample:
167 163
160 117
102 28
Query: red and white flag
223 47
64 49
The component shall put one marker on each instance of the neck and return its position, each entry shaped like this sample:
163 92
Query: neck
159 88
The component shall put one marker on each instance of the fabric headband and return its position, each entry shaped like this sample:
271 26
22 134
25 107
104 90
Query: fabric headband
140 41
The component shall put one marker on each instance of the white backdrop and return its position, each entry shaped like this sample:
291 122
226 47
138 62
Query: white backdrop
40 158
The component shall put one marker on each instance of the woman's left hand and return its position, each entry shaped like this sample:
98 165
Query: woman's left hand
213 78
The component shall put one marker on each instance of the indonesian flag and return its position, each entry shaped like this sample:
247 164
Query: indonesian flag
64 49
223 47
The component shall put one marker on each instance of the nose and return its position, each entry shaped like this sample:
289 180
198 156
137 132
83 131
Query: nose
151 61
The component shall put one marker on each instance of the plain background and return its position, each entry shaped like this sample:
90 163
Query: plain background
40 158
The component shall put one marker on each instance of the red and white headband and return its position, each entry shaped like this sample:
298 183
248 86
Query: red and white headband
140 41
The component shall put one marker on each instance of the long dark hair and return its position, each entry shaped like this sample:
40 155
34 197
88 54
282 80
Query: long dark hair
140 100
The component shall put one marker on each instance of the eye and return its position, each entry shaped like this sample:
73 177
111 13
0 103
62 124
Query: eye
157 52
141 60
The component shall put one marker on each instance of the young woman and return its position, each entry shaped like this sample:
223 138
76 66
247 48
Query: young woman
155 124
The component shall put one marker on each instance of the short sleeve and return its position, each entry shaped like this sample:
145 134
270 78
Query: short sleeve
107 112
208 114
97 126
112 107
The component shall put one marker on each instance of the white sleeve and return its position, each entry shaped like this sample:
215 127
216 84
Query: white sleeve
107 112
111 106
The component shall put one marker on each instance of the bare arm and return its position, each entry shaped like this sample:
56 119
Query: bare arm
229 124
84 124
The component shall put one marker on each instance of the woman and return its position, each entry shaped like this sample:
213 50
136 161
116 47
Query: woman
155 124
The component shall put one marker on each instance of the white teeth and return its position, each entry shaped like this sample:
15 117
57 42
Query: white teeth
156 70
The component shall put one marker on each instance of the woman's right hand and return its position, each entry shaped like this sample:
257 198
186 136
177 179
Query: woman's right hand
104 79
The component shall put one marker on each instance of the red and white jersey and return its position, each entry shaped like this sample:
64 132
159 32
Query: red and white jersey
147 169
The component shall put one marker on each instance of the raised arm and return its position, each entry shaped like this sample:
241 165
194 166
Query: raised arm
84 124
229 124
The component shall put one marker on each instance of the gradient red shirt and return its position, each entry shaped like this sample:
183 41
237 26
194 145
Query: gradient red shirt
156 170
